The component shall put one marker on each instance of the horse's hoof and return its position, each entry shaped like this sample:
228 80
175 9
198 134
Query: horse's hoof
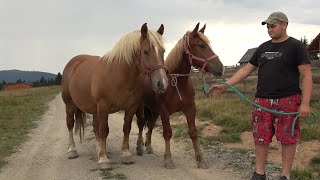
73 154
149 150
104 166
169 165
139 152
203 165
127 159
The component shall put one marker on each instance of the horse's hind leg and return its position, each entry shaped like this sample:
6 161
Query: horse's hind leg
190 112
140 123
70 111
151 122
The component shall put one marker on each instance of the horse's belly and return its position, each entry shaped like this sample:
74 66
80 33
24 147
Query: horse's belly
80 91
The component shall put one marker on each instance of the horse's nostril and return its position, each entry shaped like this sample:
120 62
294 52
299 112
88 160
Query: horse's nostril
160 85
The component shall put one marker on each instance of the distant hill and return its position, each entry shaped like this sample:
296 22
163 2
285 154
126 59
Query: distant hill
28 76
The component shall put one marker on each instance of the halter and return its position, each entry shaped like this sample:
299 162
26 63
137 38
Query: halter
196 58
152 68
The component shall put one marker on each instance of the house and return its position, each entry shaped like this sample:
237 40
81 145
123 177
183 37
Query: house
314 46
17 86
246 57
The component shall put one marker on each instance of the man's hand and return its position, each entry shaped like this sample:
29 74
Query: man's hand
217 89
304 111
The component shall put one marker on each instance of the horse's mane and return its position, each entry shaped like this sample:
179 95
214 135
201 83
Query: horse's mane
175 56
129 45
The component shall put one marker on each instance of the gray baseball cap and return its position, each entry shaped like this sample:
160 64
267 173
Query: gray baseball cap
275 17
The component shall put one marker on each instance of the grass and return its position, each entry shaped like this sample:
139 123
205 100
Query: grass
315 164
108 175
20 110
208 141
231 113
242 150
180 131
301 174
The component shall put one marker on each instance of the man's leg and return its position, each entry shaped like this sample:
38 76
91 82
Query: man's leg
283 133
261 157
288 153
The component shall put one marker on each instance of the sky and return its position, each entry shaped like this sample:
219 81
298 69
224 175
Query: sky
43 35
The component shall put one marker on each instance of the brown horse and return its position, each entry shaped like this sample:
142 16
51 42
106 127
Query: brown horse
191 50
101 86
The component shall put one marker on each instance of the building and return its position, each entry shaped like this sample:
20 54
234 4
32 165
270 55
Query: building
17 86
246 57
314 46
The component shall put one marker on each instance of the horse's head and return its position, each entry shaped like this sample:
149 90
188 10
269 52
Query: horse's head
200 53
152 57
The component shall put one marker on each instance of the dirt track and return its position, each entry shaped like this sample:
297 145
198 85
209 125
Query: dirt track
44 156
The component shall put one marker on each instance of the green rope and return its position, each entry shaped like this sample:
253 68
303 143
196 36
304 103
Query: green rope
308 120
205 88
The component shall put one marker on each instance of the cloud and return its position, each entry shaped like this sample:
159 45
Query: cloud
44 35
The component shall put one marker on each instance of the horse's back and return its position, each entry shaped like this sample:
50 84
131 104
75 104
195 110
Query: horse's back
76 79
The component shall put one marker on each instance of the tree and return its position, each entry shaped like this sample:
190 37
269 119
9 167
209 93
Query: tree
2 85
58 79
304 40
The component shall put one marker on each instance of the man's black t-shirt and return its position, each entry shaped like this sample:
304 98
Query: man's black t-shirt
278 74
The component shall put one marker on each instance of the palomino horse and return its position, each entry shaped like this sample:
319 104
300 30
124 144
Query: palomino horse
101 86
191 50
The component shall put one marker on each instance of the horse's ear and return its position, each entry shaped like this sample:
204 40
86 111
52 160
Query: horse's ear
161 29
202 29
144 31
194 32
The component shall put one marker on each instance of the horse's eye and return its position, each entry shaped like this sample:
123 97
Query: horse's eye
145 52
202 46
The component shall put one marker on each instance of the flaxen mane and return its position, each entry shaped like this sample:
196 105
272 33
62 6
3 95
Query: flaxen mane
175 56
129 45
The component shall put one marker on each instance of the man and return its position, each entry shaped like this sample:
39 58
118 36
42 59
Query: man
281 62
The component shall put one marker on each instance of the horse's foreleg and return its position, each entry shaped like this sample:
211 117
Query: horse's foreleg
151 123
70 110
126 156
190 113
104 162
96 130
167 134
140 123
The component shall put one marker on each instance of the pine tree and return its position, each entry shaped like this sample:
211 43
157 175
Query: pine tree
58 79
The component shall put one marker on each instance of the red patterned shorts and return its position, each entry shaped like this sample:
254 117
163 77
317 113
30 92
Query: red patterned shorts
266 124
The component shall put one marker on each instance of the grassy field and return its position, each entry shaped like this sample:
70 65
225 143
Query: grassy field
19 113
234 115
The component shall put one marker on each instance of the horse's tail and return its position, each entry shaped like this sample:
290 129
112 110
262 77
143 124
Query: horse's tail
147 116
80 123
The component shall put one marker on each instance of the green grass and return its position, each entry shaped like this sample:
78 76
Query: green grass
227 138
19 112
315 164
208 141
301 174
108 175
180 131
242 150
232 113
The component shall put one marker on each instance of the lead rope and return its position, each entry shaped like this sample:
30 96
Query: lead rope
174 82
308 120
